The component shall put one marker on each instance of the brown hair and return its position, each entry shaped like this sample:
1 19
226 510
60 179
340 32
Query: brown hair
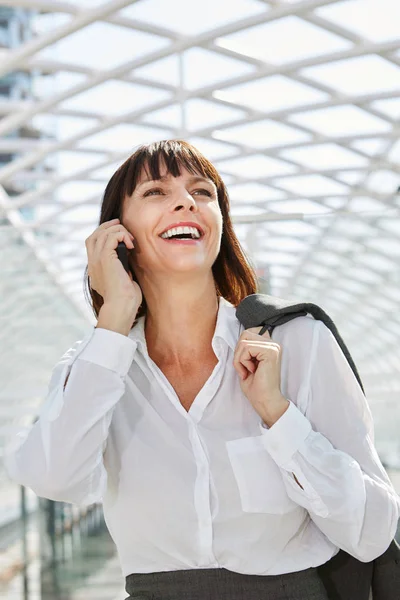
234 277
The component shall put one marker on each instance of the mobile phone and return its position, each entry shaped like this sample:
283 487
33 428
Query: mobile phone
122 253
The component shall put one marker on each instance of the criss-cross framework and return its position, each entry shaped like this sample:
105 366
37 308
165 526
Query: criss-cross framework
296 102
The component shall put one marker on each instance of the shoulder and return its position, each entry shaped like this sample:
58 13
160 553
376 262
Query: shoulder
300 329
302 341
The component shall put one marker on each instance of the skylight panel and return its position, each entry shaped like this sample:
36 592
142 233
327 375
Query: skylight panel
339 121
390 225
353 227
335 203
69 162
377 262
253 192
246 209
289 39
107 171
203 68
170 116
257 166
165 70
328 258
394 152
363 274
311 185
76 191
212 149
81 233
280 258
352 178
262 134
201 114
270 94
355 287
384 181
316 269
192 18
285 244
298 206
277 283
280 270
123 138
292 228
355 76
342 295
394 293
390 107
324 157
61 81
66 127
45 22
102 46
377 21
115 97
84 214
387 246
364 204
372 146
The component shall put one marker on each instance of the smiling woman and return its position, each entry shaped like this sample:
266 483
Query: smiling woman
231 465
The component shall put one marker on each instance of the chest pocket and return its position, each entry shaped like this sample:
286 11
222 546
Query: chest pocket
258 478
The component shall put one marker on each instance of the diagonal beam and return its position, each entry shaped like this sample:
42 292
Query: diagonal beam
38 43
51 6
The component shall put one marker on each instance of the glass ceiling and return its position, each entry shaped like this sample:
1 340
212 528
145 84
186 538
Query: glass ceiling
296 102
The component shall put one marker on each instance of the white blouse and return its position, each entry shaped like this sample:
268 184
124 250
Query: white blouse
213 487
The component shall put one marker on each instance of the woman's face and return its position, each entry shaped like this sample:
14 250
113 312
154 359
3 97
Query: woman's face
156 206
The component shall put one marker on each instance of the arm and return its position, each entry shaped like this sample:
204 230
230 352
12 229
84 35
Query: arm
61 456
328 460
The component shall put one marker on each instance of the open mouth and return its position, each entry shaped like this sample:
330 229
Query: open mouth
182 234
182 240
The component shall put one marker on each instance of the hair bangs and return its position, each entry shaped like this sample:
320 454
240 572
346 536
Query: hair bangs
167 157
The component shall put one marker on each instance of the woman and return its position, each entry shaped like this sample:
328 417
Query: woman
229 465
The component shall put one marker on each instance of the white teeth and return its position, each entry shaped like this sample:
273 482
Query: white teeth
195 233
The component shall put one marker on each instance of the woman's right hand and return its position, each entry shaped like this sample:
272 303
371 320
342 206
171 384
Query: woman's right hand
106 272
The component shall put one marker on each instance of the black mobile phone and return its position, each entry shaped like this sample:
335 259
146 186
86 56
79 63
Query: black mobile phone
122 253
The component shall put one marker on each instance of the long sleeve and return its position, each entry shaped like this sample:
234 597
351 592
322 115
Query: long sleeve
61 456
330 451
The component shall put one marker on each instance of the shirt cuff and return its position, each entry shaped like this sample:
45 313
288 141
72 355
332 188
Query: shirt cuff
285 437
110 350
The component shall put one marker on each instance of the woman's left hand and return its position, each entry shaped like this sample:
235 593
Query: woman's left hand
257 360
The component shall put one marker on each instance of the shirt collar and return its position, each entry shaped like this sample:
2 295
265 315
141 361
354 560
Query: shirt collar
227 329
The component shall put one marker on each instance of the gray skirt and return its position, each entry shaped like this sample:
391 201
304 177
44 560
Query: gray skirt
221 584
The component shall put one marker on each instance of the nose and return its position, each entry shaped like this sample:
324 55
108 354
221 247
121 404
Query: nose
184 200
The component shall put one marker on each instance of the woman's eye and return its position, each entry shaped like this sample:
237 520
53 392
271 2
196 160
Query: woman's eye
204 192
152 192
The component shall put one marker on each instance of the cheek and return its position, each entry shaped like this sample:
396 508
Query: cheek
218 217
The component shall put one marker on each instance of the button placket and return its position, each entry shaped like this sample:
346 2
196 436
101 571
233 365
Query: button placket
202 497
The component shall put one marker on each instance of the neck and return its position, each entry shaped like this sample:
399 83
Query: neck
180 322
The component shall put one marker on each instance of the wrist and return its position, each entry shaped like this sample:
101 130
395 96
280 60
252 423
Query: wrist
275 410
118 317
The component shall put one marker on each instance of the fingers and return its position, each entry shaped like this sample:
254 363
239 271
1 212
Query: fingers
251 349
112 230
109 239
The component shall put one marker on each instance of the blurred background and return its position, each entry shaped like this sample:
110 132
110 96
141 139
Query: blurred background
297 103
